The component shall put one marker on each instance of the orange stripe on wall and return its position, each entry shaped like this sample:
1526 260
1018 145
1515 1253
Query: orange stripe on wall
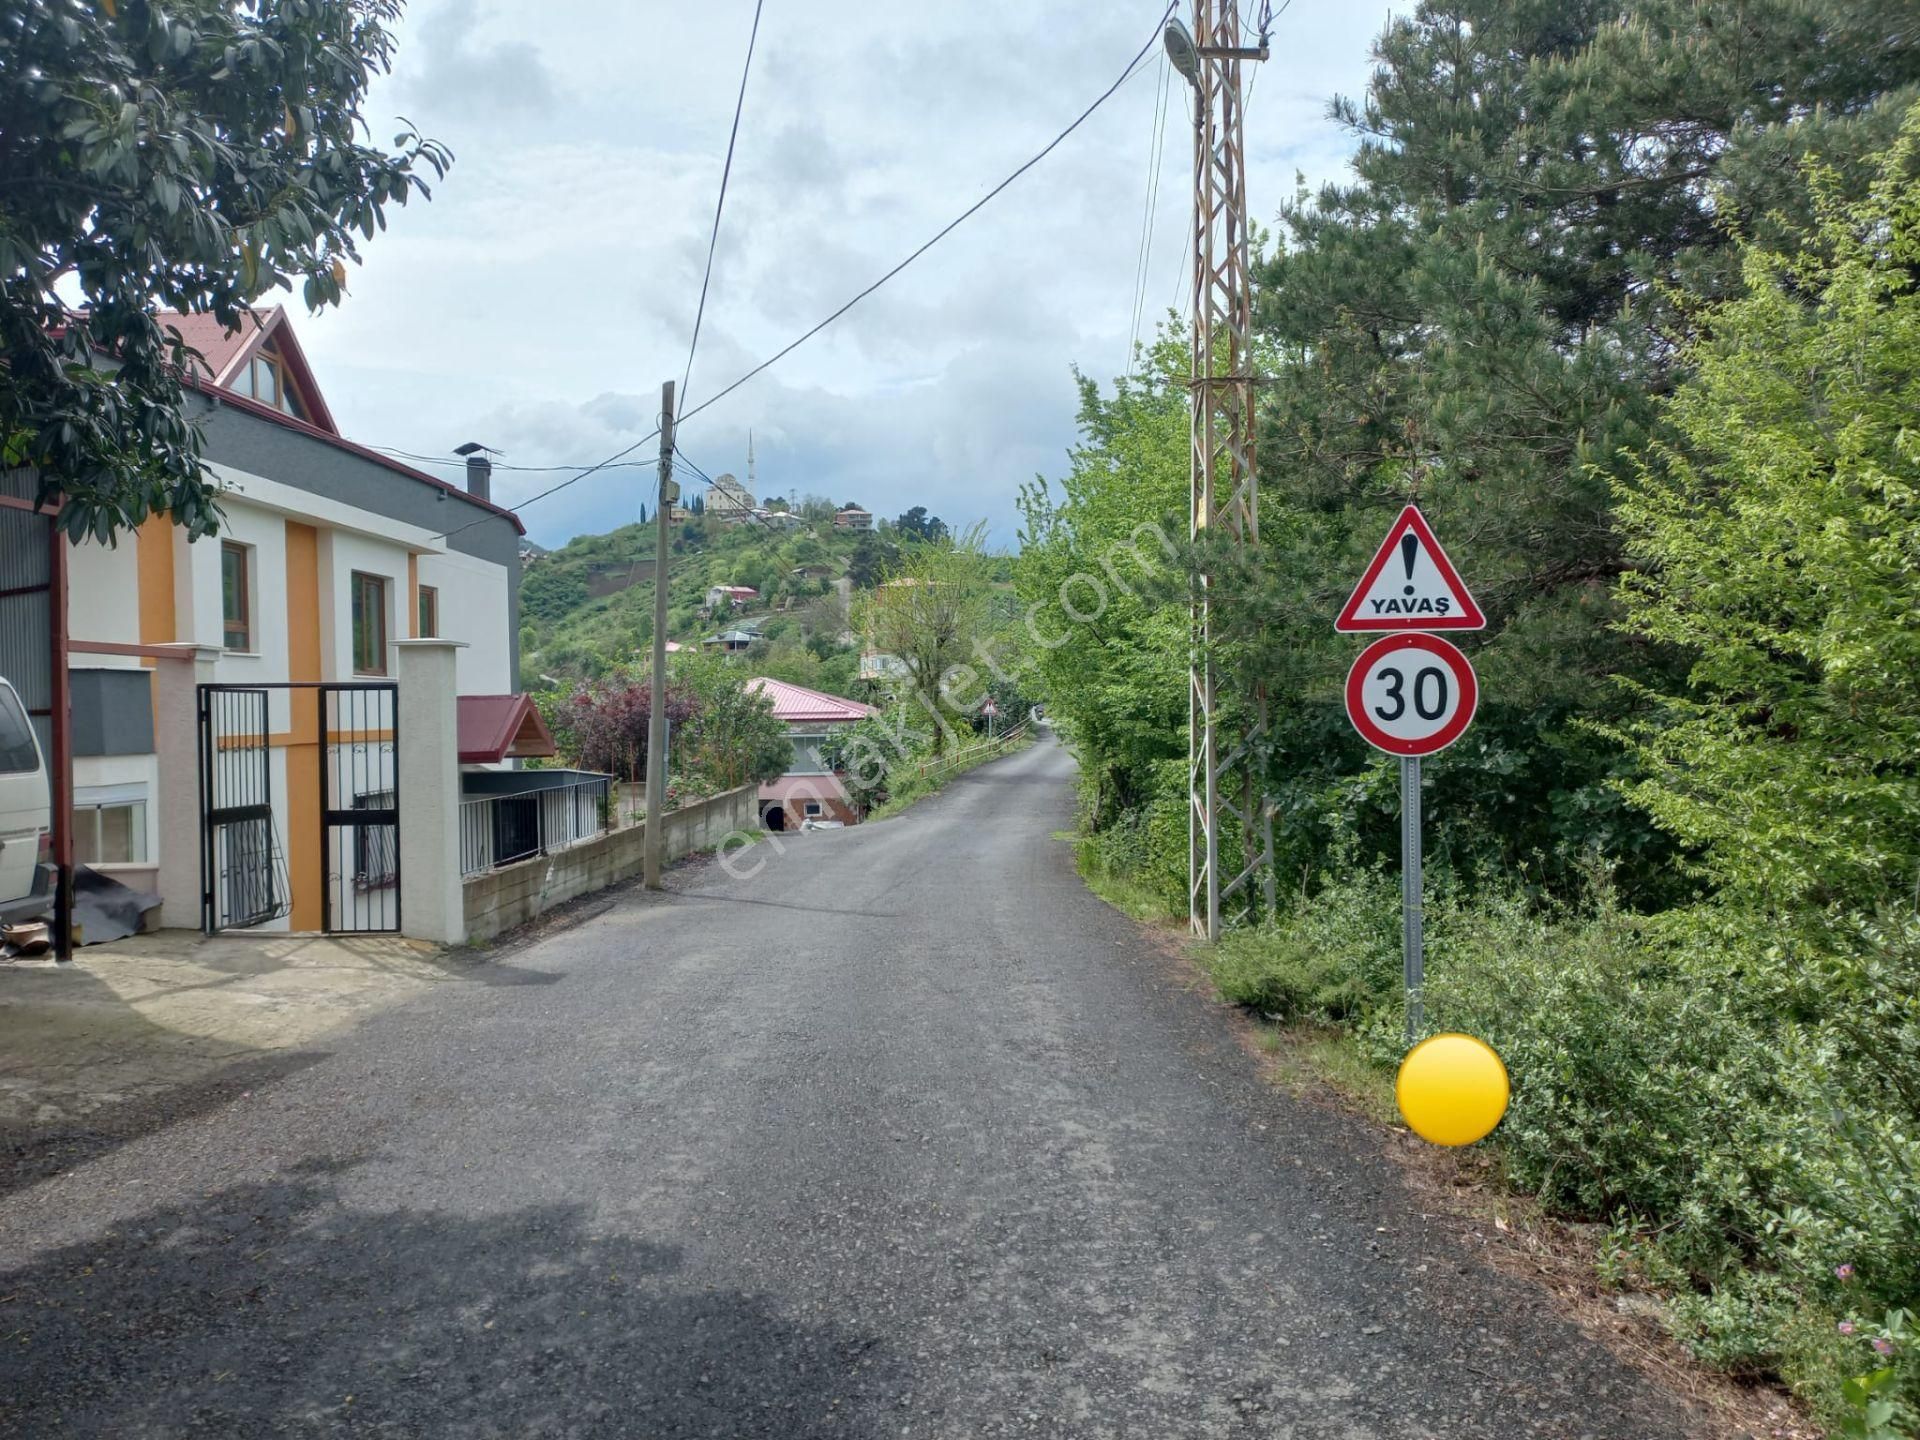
153 552
305 864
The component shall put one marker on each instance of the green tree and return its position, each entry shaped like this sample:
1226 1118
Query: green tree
732 738
919 525
1101 577
1777 541
192 157
873 556
1481 321
931 611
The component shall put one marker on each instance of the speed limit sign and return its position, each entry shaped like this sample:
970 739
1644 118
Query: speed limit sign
1411 694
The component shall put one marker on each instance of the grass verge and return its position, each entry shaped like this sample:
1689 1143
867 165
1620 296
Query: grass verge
911 790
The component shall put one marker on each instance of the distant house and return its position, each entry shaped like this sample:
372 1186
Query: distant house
810 790
730 642
728 501
852 519
882 669
721 597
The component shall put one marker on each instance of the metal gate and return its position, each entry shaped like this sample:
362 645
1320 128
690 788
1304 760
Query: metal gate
342 744
243 870
360 806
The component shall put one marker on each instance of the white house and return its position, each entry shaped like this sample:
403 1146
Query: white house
331 555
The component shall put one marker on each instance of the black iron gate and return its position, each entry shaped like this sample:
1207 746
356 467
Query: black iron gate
360 806
243 873
343 746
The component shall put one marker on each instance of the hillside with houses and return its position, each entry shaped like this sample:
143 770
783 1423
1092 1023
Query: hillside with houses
777 584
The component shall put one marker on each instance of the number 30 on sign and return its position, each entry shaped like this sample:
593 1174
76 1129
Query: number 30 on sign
1411 694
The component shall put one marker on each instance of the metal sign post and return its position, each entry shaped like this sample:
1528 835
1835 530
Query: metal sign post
1411 694
1413 938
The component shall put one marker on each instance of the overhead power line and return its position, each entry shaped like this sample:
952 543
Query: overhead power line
1126 74
950 226
1143 260
720 205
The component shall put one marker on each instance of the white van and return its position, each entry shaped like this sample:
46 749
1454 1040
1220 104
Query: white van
26 813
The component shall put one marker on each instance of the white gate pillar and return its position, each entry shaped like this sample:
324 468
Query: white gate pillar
431 903
176 748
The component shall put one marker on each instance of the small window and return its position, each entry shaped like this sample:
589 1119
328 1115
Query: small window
813 809
236 596
19 753
369 624
111 833
266 380
429 612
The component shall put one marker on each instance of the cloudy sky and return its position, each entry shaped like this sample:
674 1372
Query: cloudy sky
538 302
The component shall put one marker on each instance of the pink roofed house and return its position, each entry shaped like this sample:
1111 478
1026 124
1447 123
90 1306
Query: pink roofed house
810 790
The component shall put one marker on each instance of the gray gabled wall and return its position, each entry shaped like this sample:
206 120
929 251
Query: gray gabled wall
279 452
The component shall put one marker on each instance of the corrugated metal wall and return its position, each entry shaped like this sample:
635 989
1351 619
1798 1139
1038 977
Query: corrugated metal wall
26 614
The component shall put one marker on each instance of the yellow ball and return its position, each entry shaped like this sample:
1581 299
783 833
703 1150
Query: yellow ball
1452 1089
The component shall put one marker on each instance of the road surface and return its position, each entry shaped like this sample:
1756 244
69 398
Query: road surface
905 1134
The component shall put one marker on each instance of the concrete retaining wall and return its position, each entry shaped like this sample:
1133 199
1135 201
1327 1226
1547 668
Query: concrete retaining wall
515 894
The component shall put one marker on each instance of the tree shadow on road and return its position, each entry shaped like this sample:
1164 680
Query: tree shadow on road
275 1309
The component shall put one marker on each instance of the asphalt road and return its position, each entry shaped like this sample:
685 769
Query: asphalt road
904 1135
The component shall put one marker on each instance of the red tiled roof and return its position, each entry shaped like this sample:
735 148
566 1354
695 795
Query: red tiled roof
797 703
217 348
496 727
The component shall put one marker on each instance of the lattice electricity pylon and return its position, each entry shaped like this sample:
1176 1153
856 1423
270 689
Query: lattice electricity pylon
1225 498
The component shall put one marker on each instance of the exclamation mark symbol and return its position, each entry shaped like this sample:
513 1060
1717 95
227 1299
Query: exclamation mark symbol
1409 548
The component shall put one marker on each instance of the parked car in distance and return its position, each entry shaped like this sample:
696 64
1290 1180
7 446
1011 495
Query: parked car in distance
26 813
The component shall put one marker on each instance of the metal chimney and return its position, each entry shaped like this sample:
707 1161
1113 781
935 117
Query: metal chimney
479 469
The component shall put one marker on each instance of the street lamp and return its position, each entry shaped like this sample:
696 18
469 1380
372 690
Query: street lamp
1182 51
1186 55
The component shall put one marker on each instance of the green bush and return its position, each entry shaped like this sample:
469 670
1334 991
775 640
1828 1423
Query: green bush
1737 1098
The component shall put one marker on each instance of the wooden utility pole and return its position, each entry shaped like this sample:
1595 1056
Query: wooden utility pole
656 838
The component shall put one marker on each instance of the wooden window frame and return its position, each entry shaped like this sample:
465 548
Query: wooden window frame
244 553
286 397
427 620
362 580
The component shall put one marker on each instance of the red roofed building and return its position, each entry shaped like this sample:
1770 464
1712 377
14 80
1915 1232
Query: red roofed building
810 790
494 728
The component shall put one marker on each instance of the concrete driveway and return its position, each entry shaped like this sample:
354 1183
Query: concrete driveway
136 1033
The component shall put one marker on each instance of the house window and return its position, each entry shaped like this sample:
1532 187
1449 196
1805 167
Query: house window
429 612
236 596
369 624
110 825
263 380
809 754
266 381
813 810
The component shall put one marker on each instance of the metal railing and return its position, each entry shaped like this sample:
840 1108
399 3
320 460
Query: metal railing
972 755
498 830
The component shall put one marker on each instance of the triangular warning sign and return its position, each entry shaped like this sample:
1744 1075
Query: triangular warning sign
1411 585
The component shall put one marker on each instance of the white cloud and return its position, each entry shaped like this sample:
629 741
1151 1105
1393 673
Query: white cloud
539 300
